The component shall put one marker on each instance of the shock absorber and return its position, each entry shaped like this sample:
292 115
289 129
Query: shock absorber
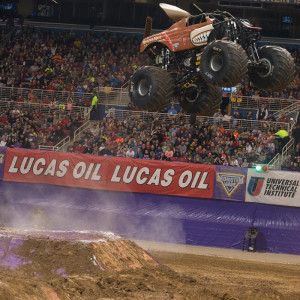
163 58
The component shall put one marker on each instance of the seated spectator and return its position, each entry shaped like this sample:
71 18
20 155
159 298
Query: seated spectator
250 115
295 167
284 119
130 153
172 110
71 148
287 164
271 118
227 117
245 163
79 149
169 153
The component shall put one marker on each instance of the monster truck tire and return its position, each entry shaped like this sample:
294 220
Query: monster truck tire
151 88
205 103
223 63
280 69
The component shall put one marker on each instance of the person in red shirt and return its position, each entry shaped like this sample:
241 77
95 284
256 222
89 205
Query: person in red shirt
79 149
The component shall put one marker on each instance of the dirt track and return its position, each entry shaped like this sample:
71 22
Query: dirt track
178 276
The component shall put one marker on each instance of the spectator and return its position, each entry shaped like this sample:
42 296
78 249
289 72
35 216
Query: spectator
271 118
262 113
71 148
79 149
250 115
286 166
172 110
284 119
283 137
169 153
227 117
217 116
130 153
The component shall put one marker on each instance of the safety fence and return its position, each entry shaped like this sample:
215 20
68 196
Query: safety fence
120 97
13 93
254 102
152 177
45 109
230 124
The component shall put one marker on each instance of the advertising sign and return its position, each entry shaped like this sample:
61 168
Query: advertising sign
110 173
274 187
230 183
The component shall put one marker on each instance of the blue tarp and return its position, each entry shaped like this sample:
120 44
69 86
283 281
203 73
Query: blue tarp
151 217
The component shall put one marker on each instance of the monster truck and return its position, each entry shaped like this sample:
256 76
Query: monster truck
200 54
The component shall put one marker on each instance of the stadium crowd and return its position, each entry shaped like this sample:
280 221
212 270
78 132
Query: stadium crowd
65 60
176 139
72 62
21 128
79 62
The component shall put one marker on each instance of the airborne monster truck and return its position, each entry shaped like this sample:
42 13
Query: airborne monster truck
198 55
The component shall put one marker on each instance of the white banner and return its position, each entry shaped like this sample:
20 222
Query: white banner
275 187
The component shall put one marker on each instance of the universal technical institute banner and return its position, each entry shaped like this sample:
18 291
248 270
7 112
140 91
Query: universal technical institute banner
274 187
109 173
230 183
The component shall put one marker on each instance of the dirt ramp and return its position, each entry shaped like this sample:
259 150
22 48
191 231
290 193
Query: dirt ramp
46 253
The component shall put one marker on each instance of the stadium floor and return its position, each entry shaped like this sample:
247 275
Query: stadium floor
221 252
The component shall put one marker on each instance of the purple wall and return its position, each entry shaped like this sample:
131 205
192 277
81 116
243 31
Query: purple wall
151 217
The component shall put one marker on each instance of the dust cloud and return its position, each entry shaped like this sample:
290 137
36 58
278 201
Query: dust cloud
45 207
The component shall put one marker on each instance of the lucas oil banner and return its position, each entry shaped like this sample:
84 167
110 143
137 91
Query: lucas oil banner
230 183
275 187
2 159
110 173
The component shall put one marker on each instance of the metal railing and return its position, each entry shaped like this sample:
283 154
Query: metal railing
45 109
279 158
81 129
113 96
12 93
253 102
120 97
290 111
48 148
62 145
231 124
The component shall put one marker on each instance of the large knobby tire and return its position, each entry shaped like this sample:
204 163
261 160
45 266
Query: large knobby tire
280 69
205 101
151 88
223 63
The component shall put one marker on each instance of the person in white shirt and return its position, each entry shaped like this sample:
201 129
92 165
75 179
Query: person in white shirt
248 148
227 117
130 153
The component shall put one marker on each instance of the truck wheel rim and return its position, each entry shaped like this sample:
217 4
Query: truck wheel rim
216 62
143 87
269 68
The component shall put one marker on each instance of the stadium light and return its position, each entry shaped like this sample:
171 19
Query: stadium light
258 168
262 168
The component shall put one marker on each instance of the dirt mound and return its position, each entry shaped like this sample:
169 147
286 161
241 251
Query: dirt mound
82 265
44 253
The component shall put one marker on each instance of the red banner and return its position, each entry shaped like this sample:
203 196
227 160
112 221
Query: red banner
109 173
